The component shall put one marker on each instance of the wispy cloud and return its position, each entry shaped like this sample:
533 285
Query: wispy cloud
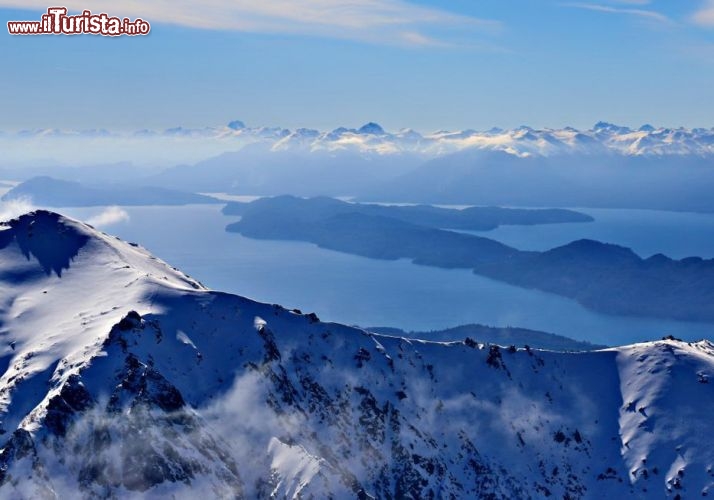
705 15
395 22
109 216
14 208
646 14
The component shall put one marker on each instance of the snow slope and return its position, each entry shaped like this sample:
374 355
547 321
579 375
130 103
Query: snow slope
122 376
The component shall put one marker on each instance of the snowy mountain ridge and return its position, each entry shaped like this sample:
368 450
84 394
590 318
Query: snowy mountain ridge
124 377
602 138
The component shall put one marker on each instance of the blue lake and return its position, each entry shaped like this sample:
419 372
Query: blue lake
647 232
356 290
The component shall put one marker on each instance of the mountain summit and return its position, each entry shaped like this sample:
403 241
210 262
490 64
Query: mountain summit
124 377
371 128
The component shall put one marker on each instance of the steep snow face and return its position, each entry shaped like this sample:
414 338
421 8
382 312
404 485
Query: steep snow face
654 380
195 390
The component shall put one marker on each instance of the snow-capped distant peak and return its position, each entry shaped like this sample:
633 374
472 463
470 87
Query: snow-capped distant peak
371 128
236 125
603 137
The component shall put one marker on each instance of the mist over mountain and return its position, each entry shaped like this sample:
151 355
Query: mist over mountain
605 166
95 173
50 192
124 377
475 176
259 169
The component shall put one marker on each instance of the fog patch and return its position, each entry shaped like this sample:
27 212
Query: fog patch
108 217
11 209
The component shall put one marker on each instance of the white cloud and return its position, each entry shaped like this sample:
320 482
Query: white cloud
649 15
378 21
109 216
705 15
14 208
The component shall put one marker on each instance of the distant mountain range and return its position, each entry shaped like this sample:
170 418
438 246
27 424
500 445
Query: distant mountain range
603 137
607 166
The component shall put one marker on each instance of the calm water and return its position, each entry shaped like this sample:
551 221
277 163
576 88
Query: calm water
647 232
356 290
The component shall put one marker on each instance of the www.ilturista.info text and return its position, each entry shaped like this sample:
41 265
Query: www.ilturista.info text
57 22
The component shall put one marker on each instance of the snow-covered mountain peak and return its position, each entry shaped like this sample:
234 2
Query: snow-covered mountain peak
64 285
53 242
371 128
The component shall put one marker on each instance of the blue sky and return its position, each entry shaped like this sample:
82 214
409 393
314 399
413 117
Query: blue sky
324 63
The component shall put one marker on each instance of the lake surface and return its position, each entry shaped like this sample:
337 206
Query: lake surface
647 232
357 290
